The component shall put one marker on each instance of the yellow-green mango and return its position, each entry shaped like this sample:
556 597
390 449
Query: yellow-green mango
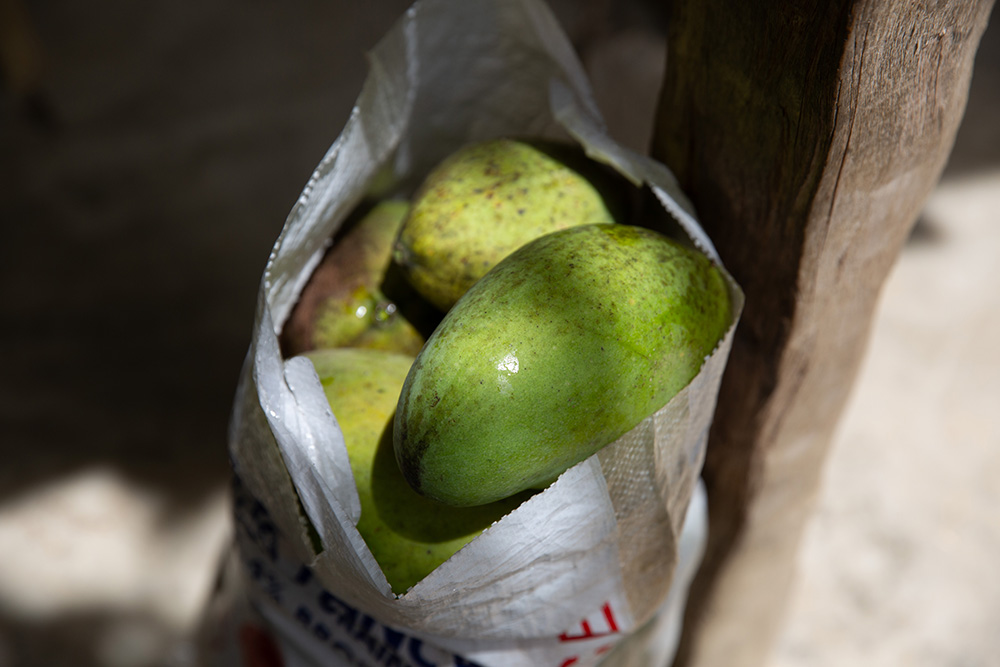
409 535
563 347
485 201
344 303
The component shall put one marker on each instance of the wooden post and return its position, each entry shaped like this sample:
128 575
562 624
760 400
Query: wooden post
808 135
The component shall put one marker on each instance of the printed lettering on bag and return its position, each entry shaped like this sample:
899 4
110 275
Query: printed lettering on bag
336 632
327 625
599 626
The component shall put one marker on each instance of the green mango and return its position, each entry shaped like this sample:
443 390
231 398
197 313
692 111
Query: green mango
563 347
345 303
408 534
485 201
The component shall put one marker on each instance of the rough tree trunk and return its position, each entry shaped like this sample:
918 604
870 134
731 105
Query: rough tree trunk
808 135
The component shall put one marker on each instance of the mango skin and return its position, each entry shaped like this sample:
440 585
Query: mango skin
562 348
348 301
485 201
409 535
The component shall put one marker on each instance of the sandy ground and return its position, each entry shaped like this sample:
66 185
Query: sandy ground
899 564
140 199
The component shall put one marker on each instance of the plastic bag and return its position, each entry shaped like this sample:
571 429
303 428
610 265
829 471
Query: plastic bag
572 571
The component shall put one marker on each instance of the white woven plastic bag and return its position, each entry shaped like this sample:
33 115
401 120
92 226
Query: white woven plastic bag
561 579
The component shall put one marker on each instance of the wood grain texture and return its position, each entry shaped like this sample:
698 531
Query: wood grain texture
808 135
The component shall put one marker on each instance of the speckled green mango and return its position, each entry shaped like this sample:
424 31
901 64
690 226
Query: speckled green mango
345 304
485 201
563 347
409 535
